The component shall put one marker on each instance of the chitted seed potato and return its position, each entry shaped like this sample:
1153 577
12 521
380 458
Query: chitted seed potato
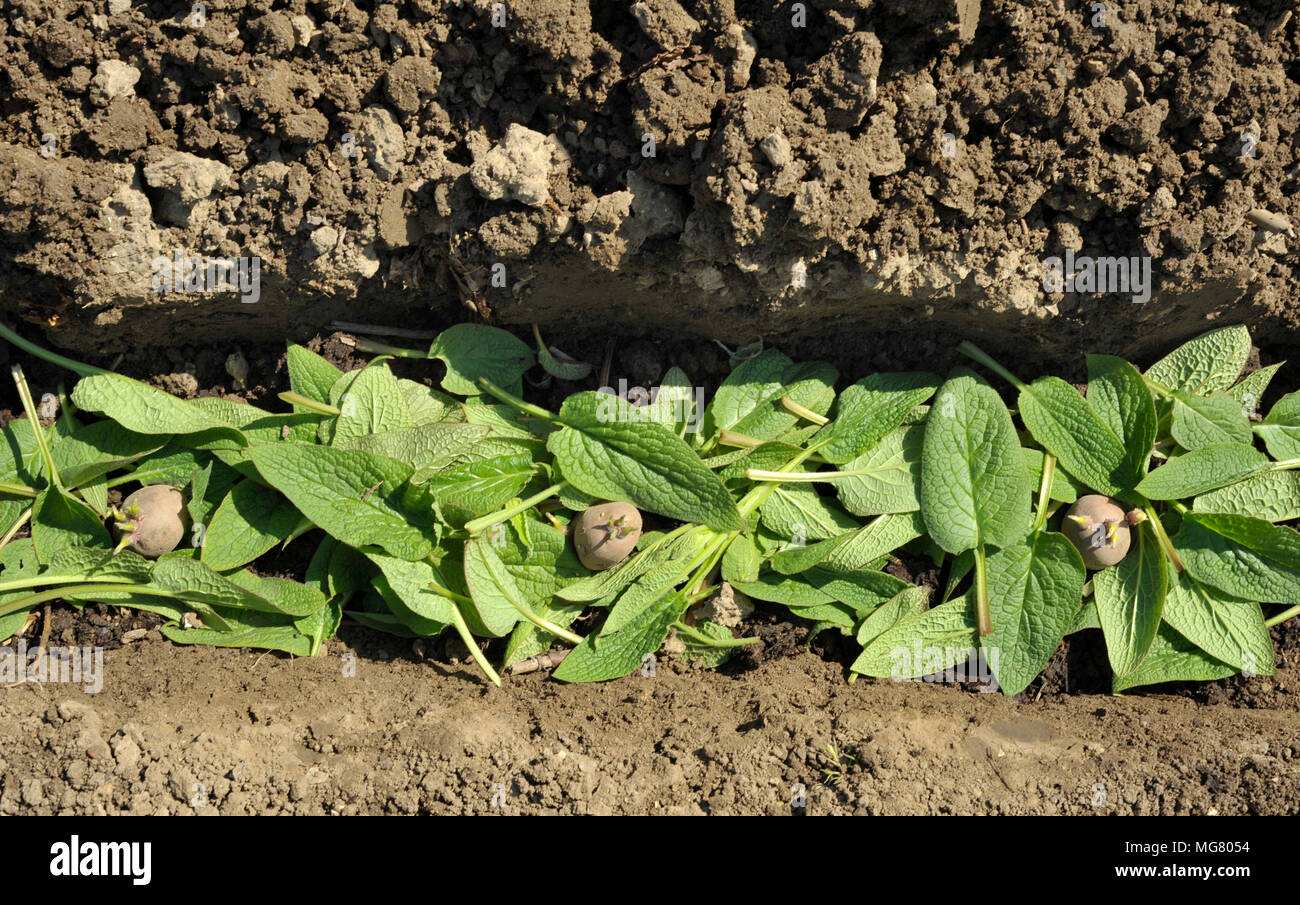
153 520
605 534
1099 530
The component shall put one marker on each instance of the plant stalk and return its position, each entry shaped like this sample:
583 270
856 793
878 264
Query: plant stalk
982 593
516 403
474 526
1045 492
311 404
806 414
1163 536
970 350
31 348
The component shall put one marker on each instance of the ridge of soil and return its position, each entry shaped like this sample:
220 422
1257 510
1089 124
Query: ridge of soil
916 163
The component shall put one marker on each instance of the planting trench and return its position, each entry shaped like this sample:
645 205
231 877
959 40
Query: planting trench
911 169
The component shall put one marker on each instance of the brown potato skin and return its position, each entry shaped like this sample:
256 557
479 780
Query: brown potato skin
1100 509
162 523
599 547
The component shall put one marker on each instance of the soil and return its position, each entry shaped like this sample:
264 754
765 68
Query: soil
866 187
907 163
371 728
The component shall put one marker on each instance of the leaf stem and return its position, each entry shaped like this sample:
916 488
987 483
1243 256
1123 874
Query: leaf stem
17 490
732 438
303 402
31 348
970 350
1282 616
1163 537
474 526
700 637
515 402
458 620
806 414
1045 492
982 592
18 523
31 600
25 394
378 348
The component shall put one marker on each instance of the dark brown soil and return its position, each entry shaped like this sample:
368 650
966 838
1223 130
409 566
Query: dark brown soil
919 161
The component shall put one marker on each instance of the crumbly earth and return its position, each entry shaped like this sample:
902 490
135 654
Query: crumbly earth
370 728
867 186
722 168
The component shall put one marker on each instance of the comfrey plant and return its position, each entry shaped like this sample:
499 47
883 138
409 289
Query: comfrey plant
1157 508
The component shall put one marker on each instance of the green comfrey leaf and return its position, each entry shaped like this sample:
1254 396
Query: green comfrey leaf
1063 490
601 453
1069 428
1227 628
264 631
753 383
428 406
1202 470
809 384
776 588
713 652
17 561
1199 421
742 560
471 351
1206 364
60 521
428 447
144 409
1034 593
1172 658
1130 596
1281 429
285 596
854 550
99 448
196 503
1119 395
498 602
507 422
618 654
923 644
250 521
20 456
99 564
477 488
405 587
797 511
870 409
372 404
887 477
909 602
309 374
674 404
974 485
1273 496
1241 556
605 585
1250 391
862 590
187 579
358 498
